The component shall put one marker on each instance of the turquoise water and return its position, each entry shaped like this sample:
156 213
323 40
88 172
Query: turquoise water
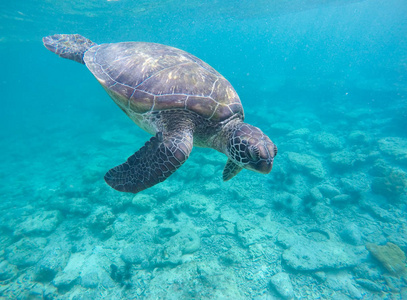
326 80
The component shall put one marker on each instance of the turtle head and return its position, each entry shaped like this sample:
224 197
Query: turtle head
251 149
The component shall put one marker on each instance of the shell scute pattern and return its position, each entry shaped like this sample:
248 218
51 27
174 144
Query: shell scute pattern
140 101
143 77
170 102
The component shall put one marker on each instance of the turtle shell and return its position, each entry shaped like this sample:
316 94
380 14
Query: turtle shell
143 77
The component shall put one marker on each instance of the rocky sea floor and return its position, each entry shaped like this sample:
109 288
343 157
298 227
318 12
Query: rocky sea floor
329 222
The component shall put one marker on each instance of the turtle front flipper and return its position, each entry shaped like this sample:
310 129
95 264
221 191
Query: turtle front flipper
161 156
71 46
231 170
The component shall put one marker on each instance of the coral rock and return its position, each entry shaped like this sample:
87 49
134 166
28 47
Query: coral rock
390 256
282 284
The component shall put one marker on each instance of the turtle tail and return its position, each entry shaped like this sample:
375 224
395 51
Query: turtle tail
71 46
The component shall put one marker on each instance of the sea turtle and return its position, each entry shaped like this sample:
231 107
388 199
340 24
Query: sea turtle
174 96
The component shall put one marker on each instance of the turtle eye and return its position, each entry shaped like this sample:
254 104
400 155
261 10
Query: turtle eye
253 152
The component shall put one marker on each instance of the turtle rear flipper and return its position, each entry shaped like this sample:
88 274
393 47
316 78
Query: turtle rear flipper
153 163
71 46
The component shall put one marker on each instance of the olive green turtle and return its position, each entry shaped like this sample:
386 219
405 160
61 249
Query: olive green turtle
176 97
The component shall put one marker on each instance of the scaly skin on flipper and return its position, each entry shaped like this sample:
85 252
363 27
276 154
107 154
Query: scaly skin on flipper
70 46
231 169
153 163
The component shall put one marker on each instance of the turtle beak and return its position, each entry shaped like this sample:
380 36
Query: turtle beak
264 166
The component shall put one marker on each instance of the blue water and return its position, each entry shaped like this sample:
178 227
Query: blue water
325 80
